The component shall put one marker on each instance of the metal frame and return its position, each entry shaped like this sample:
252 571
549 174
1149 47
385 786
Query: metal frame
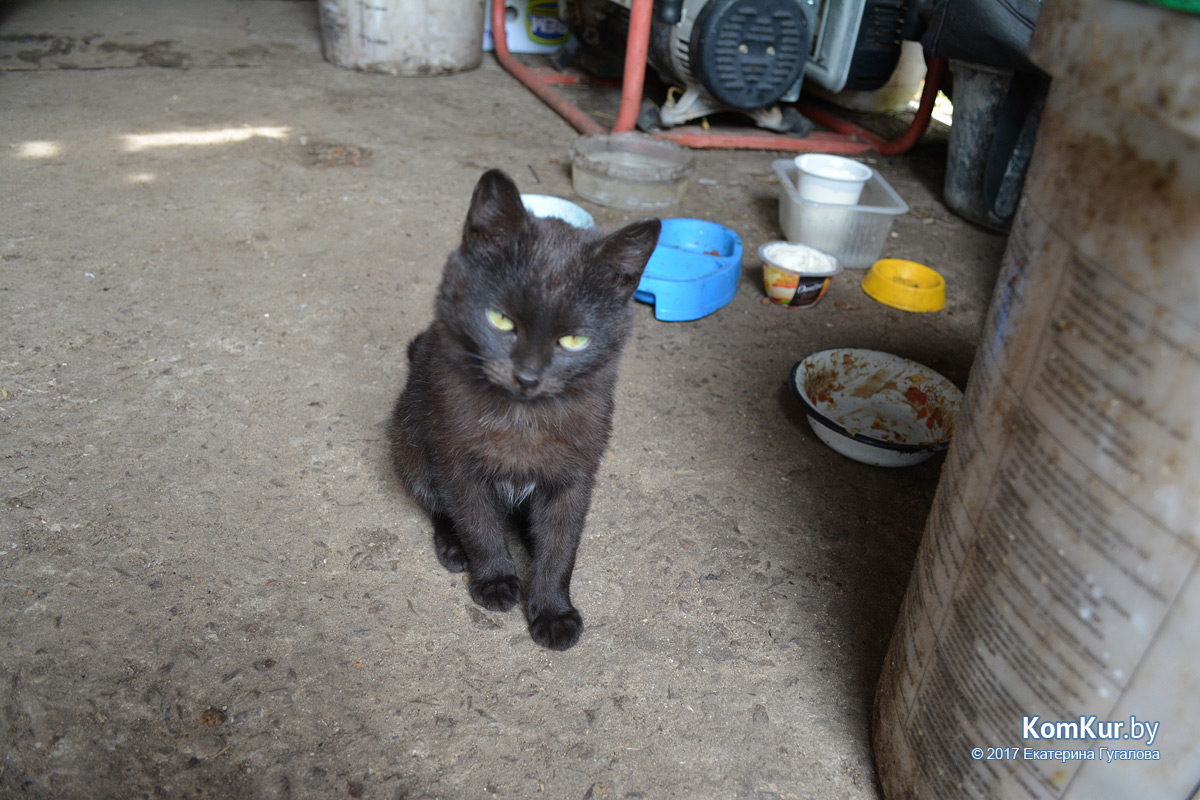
843 137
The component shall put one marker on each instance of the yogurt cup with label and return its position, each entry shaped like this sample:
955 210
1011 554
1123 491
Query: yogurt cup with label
796 275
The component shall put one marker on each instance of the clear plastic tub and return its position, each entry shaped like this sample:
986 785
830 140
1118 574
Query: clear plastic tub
630 170
854 235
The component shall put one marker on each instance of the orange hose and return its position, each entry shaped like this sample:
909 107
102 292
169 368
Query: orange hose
934 76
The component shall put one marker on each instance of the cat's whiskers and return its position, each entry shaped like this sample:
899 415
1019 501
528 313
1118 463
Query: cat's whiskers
477 356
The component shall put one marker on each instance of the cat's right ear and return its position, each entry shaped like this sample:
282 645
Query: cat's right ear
496 213
626 252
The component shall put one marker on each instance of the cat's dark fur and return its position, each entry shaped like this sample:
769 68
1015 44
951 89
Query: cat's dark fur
499 424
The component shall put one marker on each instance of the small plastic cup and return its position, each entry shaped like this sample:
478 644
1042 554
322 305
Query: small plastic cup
796 275
831 179
545 205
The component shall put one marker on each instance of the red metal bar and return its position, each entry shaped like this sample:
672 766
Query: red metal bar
568 79
559 78
723 139
566 109
637 46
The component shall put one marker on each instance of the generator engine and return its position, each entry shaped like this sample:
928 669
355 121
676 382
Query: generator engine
748 56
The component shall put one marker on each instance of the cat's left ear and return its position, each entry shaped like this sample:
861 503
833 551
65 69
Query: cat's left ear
496 213
627 251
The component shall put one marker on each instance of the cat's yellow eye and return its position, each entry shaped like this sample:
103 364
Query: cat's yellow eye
574 343
499 321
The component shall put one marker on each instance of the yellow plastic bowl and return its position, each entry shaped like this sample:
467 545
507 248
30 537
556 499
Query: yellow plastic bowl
906 285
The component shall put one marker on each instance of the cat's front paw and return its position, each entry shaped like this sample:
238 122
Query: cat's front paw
451 555
445 543
556 631
497 594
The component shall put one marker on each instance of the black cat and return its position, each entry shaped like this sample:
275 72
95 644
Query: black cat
508 405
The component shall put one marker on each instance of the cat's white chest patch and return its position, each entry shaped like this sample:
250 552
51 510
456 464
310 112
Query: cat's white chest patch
513 494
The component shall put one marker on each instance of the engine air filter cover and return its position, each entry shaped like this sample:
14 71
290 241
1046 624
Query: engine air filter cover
749 53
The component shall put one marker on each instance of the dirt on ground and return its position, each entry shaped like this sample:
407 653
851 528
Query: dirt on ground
213 587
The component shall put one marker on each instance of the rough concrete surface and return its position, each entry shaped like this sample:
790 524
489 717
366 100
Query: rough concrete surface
210 584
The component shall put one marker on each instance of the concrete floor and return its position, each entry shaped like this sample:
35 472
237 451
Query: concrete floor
211 584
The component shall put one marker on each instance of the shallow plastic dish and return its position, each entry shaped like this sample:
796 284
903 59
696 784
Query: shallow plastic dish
905 285
630 170
545 205
876 407
693 270
854 235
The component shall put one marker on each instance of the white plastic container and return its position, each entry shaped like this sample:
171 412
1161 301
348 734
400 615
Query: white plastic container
530 26
854 235
1056 593
831 179
403 37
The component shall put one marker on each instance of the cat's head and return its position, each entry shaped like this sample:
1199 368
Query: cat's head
537 303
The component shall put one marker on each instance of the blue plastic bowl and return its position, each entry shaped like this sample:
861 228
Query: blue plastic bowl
693 271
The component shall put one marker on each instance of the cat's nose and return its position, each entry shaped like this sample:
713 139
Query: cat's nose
526 378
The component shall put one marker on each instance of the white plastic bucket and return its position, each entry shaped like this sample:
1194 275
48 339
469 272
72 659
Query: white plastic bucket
403 37
1056 594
